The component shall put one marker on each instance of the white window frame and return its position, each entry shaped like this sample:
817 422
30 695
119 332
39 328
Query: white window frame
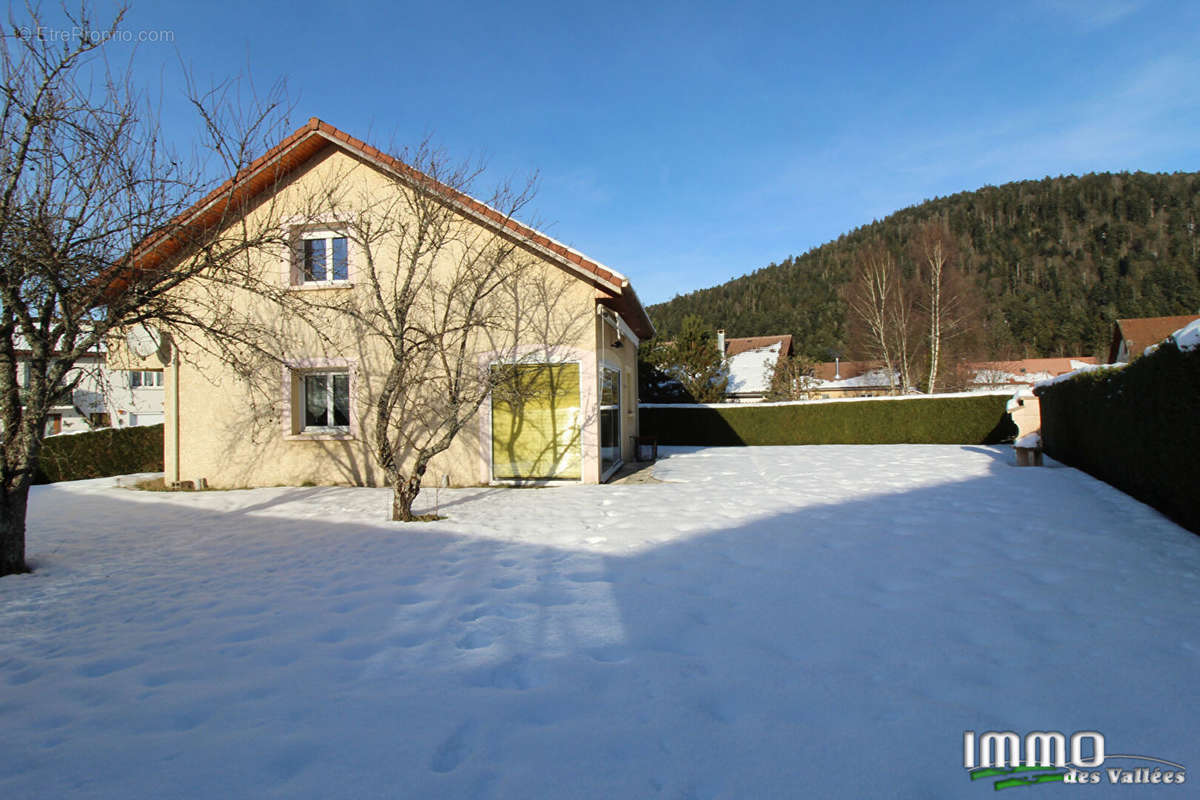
294 399
140 381
328 235
329 375
605 474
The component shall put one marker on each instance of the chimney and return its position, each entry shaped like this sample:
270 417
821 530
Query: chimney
837 368
721 342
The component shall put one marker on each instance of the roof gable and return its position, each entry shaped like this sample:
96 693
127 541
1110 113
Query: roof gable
613 289
1141 332
734 346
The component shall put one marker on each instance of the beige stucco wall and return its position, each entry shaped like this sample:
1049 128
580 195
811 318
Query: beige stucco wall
235 432
1027 415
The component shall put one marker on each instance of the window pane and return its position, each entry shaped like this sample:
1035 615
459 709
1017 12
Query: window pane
135 380
610 389
341 261
341 400
316 401
610 438
314 259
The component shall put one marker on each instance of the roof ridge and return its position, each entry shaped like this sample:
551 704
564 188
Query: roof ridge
245 183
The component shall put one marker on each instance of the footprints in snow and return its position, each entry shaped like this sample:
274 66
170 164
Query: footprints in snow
454 749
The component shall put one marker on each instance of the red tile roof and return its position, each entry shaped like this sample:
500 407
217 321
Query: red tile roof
613 289
1141 332
1031 366
733 346
841 370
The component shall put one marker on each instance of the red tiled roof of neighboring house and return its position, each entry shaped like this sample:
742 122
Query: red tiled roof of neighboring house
1031 366
841 370
1141 332
733 346
613 289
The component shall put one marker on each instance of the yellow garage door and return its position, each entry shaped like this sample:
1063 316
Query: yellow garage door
536 422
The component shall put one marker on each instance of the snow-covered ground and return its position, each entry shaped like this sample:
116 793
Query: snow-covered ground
768 622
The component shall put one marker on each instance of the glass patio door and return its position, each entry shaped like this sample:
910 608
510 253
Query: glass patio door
610 420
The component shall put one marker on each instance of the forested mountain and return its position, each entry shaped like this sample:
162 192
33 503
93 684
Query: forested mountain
1051 264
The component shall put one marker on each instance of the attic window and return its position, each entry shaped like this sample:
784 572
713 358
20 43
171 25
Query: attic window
324 258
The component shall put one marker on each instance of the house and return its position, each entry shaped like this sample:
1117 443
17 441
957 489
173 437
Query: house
317 424
103 396
1131 337
751 363
839 378
1021 373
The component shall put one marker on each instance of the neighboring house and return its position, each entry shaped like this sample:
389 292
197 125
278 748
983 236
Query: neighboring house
849 379
320 429
87 407
1021 373
136 397
1132 336
104 397
750 364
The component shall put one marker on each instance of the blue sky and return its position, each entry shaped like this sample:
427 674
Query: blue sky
684 144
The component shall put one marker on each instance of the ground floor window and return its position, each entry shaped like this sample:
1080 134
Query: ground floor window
326 401
536 431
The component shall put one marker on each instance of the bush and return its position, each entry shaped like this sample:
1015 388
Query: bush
98 454
978 419
1137 428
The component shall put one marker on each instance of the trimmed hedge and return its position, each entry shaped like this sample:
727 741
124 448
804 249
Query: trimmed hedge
98 454
1137 428
979 419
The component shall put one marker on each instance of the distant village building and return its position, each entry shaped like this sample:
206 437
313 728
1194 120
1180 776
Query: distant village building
103 397
1021 373
832 379
1131 337
751 363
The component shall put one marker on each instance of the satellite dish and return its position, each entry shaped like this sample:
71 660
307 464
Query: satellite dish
143 340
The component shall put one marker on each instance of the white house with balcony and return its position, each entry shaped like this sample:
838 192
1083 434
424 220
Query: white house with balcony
103 397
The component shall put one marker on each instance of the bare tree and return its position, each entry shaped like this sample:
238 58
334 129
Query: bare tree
942 291
90 203
440 300
872 299
902 324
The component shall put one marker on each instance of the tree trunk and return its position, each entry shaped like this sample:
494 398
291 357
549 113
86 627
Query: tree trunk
404 492
13 504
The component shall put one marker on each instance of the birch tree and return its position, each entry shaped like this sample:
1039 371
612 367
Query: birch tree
872 300
943 292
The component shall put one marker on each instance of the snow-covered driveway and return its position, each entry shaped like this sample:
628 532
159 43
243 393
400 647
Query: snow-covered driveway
768 622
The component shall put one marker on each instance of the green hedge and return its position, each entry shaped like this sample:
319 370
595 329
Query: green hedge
979 419
1137 428
98 454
